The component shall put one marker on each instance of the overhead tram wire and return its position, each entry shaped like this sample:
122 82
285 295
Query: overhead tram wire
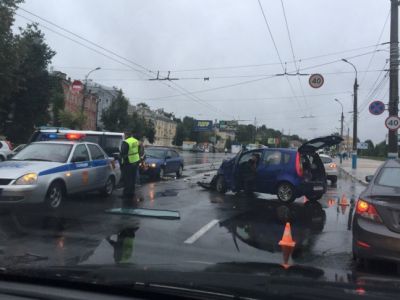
293 55
379 40
104 49
277 51
269 64
260 79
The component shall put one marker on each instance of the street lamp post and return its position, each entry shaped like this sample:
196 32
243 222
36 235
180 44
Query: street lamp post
84 88
355 116
341 129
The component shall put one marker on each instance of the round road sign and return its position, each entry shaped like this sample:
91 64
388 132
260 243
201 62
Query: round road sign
316 81
377 107
76 86
392 123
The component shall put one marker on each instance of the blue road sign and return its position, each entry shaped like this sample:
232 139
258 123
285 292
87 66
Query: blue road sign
377 107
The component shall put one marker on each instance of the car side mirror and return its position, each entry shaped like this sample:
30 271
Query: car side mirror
369 178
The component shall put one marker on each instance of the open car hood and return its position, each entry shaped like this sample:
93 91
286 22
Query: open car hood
320 143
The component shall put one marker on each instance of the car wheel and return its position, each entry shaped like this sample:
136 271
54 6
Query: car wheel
285 192
179 172
54 196
220 185
108 187
2 158
161 174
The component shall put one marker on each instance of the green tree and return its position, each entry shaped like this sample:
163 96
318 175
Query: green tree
8 61
32 97
71 120
116 117
180 133
56 99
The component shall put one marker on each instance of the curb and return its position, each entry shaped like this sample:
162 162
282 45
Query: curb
363 182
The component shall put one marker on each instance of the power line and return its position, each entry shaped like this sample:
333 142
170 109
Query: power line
379 39
294 57
277 51
198 100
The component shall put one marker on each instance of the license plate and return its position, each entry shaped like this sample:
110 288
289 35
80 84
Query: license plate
318 188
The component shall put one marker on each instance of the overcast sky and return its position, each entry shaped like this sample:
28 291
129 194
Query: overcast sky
229 42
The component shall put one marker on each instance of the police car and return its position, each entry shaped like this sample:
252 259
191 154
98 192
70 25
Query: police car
47 171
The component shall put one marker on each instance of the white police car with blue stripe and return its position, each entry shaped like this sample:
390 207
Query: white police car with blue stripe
48 171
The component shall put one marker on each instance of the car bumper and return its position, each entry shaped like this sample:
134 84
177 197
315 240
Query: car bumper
307 188
20 194
383 243
149 171
331 172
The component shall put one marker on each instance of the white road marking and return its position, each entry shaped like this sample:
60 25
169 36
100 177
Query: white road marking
201 232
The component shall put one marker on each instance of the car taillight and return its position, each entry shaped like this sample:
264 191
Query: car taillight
332 165
299 166
368 211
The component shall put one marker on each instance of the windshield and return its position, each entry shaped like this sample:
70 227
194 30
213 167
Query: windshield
232 141
389 177
45 152
155 153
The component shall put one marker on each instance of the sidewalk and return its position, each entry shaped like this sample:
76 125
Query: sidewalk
364 167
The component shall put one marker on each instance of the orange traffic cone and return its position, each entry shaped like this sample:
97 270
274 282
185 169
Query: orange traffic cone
344 201
343 209
331 202
287 237
287 252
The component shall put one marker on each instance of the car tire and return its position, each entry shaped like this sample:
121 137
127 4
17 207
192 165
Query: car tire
286 192
2 158
109 187
54 196
220 185
179 172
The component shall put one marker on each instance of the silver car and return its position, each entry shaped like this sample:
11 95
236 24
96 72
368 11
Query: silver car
48 171
331 169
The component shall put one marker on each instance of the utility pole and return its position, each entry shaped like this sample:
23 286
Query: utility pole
394 77
341 129
355 117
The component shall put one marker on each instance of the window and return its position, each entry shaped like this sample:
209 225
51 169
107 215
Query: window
93 139
45 152
272 158
96 152
172 154
286 158
154 153
326 160
80 154
112 143
247 156
389 177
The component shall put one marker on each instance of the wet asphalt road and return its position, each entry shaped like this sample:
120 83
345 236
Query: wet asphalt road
212 229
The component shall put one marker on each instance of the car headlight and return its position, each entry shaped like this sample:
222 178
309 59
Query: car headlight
27 179
153 165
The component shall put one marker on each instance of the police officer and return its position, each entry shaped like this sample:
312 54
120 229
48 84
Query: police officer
130 162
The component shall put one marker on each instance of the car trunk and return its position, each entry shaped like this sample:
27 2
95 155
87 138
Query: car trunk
313 168
387 203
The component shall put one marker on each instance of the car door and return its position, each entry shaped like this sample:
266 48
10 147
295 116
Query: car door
240 168
169 162
81 178
268 171
100 167
175 160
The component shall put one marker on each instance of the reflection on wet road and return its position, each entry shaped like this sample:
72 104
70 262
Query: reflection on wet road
214 231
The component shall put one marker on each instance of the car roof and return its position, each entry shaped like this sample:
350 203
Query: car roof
89 132
63 142
392 163
161 148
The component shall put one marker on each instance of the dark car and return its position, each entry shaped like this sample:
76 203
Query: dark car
160 161
288 173
376 222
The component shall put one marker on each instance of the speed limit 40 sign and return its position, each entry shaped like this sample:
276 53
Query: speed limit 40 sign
316 81
392 123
